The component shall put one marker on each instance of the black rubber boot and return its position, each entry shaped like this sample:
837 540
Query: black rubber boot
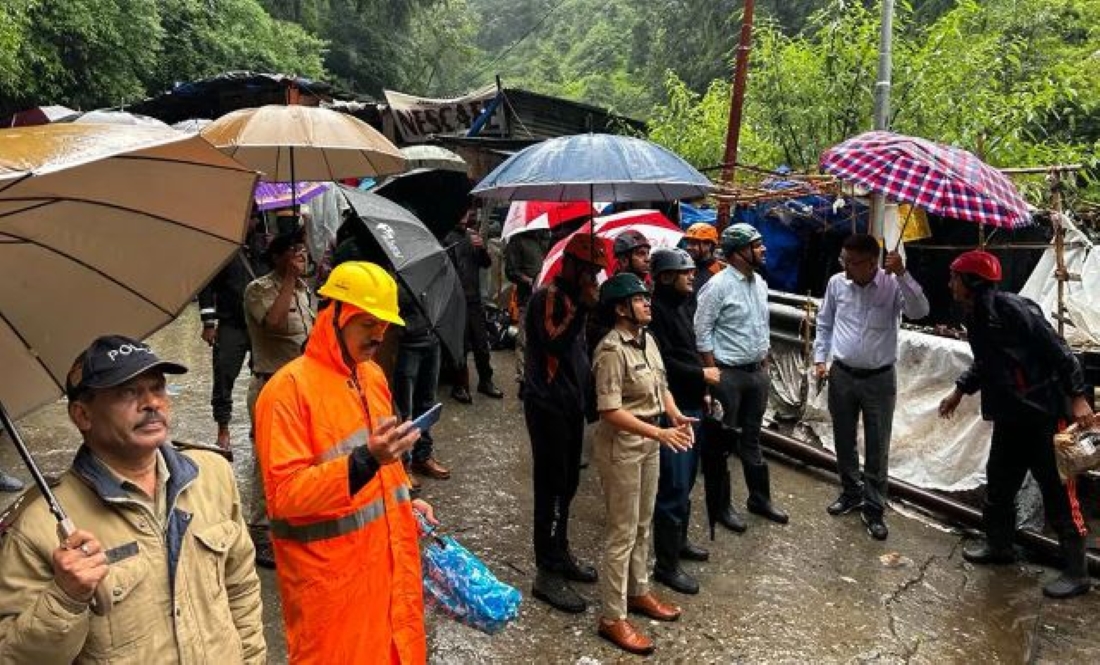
985 554
552 589
666 545
566 564
1074 580
760 494
729 517
688 550
996 549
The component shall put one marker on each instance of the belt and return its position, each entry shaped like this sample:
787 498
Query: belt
863 373
649 420
264 376
747 367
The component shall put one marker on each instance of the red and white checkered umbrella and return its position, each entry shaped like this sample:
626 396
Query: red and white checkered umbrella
658 229
943 180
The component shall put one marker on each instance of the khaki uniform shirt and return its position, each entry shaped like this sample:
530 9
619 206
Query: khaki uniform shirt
271 349
629 377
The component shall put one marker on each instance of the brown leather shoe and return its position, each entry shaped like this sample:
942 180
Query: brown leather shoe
625 636
223 437
650 606
430 468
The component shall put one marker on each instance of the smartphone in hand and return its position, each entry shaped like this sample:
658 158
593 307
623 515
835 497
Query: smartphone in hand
428 418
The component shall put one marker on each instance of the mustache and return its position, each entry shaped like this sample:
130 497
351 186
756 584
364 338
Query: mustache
151 418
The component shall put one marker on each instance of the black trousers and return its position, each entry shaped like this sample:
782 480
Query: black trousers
556 439
1020 445
230 348
477 340
744 397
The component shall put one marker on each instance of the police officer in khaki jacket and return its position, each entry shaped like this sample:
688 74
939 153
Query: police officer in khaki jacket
161 532
631 394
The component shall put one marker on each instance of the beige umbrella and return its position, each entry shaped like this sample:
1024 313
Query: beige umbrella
433 157
103 229
292 143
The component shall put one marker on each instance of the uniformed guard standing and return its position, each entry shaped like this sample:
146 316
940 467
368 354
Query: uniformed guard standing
631 395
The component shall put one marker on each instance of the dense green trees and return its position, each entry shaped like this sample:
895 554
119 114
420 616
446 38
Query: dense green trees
93 53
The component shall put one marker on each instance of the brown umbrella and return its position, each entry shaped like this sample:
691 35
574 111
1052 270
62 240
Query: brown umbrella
291 143
103 229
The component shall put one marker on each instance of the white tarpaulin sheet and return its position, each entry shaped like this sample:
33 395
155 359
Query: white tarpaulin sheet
925 450
1082 299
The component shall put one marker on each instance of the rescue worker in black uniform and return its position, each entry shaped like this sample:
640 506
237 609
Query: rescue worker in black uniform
1027 375
557 384
673 312
221 308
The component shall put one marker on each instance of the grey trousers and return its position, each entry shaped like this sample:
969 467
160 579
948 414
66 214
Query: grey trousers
874 398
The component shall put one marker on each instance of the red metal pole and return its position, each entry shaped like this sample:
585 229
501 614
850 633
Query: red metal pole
733 130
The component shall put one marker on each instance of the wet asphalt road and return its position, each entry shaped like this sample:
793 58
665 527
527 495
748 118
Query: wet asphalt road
818 590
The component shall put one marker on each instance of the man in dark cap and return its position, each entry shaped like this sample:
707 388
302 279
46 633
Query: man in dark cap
165 535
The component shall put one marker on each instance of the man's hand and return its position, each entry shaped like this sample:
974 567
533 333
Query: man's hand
426 511
79 565
821 371
1082 412
894 264
392 440
209 333
712 376
950 403
476 240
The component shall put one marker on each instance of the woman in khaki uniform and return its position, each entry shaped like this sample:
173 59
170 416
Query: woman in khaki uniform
631 394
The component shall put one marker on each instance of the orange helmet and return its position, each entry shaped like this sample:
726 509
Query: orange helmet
978 263
587 248
702 231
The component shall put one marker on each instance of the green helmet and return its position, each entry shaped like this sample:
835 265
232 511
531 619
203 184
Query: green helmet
739 235
666 259
621 286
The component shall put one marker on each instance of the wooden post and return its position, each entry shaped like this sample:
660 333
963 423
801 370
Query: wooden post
1054 179
737 101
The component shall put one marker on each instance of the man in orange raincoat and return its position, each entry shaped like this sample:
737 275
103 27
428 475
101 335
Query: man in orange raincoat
342 523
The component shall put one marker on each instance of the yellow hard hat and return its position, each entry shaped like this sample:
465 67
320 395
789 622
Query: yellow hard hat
365 285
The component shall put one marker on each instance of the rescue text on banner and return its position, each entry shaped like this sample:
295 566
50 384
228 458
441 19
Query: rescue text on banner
417 118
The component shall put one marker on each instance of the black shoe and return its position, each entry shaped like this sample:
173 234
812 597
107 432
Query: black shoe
575 571
552 589
677 580
462 394
692 552
10 483
875 526
732 520
844 505
768 511
487 388
1067 586
982 553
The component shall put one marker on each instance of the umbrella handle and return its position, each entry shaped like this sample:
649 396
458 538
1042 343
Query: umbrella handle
904 225
101 598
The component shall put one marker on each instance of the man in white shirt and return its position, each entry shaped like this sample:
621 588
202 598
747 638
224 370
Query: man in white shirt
858 328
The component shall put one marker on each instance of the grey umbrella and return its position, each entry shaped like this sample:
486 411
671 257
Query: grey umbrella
418 261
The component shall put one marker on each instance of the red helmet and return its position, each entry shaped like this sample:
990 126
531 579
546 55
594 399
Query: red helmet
587 248
978 263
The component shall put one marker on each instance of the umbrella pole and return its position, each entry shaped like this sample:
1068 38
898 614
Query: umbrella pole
293 186
101 602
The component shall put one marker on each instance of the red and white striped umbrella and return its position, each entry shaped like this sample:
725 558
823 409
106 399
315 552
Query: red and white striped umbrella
943 180
531 215
658 229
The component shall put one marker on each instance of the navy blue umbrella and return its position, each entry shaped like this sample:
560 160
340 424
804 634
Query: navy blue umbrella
594 167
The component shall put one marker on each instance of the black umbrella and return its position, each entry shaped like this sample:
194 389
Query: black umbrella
418 261
439 197
715 448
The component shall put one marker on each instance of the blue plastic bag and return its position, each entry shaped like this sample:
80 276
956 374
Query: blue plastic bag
461 585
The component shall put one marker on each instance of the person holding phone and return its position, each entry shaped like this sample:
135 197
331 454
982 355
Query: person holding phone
632 395
342 522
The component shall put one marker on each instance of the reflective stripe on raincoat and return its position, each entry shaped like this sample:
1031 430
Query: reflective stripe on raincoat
348 566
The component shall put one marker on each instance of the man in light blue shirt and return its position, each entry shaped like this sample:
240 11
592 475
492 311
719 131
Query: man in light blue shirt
731 333
858 328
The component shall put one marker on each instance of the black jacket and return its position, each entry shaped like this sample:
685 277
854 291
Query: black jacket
673 327
523 256
1021 366
222 299
468 260
558 372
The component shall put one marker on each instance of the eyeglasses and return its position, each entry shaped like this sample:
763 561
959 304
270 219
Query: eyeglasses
854 263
